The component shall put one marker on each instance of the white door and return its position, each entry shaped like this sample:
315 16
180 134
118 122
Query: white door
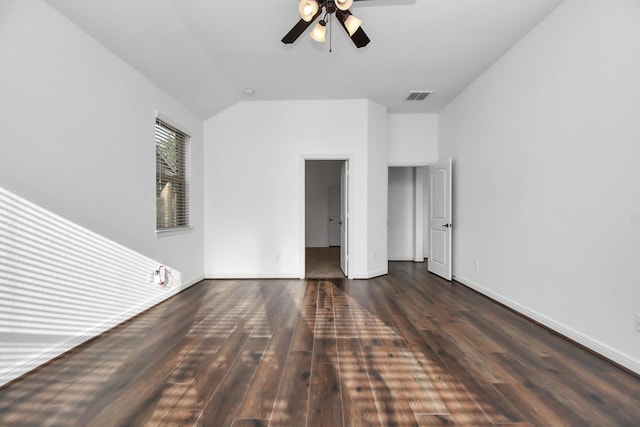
334 216
440 219
344 218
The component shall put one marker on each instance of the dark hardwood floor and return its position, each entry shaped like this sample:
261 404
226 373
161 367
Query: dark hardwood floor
407 349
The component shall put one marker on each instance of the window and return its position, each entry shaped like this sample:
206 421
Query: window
172 177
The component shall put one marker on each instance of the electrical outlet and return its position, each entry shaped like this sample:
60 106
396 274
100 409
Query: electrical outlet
638 322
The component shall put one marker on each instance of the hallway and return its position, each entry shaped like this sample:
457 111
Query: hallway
323 263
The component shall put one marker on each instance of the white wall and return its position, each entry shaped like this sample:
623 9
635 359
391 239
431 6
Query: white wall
254 203
546 176
78 141
412 139
426 177
320 177
401 214
377 245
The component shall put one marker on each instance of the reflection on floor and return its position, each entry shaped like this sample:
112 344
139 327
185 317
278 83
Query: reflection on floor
323 263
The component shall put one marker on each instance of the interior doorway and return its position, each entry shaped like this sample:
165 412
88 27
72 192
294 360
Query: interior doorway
326 218
408 213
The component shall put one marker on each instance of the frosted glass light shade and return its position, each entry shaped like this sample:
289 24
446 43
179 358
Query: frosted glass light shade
352 23
308 9
319 32
343 4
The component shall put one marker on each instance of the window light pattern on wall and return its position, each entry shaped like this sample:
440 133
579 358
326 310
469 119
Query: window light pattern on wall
62 284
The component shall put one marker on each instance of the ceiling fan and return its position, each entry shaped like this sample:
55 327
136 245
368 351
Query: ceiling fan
310 10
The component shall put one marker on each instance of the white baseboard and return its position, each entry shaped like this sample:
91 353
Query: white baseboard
371 274
192 282
604 350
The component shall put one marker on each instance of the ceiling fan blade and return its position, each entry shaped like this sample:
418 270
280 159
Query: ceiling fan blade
359 37
298 29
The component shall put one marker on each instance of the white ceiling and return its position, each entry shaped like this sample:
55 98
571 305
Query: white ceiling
205 53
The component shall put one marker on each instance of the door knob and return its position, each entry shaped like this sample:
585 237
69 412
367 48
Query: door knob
447 225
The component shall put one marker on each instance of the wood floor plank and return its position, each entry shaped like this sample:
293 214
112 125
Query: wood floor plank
604 396
344 324
358 402
372 331
193 359
535 411
325 403
435 420
289 303
207 380
575 398
305 324
281 301
393 406
180 417
221 408
415 309
261 396
415 380
164 401
416 384
459 405
176 393
292 401
324 343
493 404
250 423
559 405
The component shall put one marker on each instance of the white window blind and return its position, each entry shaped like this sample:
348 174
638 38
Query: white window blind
172 177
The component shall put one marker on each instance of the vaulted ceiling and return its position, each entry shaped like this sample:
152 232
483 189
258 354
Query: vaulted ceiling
206 53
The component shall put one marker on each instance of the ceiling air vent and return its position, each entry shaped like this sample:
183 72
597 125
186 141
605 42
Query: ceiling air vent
418 95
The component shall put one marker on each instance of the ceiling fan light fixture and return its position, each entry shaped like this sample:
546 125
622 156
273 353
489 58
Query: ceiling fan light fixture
319 32
352 24
343 4
308 9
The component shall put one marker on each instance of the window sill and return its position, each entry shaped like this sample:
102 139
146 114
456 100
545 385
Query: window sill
173 231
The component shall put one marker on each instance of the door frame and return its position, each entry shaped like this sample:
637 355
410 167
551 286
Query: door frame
303 178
